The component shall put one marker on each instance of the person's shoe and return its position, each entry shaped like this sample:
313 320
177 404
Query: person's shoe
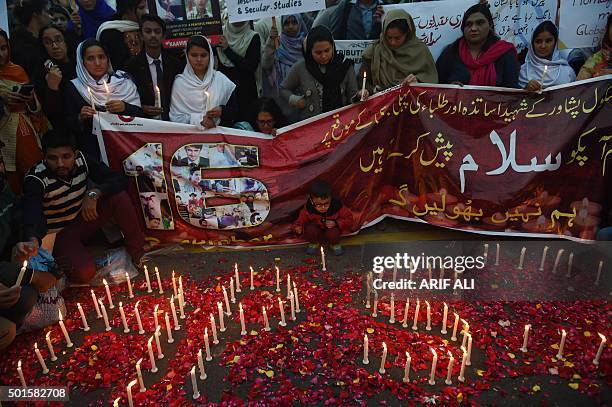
312 248
337 250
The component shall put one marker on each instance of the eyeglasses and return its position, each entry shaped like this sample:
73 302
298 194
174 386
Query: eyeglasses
57 41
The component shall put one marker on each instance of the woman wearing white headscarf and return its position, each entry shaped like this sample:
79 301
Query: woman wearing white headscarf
239 58
201 95
544 55
97 84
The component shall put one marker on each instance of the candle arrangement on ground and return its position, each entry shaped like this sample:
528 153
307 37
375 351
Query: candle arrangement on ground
298 333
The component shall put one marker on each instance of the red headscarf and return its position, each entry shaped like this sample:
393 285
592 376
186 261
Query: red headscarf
482 70
10 71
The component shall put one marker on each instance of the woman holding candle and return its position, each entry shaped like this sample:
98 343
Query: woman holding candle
544 67
323 81
398 56
600 63
99 85
479 57
201 95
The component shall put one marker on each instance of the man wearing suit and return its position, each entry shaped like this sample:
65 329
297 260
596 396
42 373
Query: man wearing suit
193 158
154 67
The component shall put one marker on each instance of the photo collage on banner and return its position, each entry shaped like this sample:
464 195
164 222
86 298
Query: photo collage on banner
218 203
146 165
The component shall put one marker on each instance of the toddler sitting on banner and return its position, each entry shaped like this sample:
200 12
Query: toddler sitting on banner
323 219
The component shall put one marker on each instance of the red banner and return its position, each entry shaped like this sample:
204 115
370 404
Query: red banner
486 160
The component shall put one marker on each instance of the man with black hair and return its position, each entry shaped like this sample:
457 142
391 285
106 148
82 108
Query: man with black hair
74 196
323 219
154 67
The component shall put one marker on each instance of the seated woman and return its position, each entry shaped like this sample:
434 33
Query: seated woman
265 117
479 57
201 95
25 121
544 55
323 81
58 69
601 62
398 57
97 85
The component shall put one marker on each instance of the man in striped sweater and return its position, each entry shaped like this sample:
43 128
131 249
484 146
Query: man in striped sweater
74 196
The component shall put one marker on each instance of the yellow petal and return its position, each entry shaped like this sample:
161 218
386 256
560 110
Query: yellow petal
574 385
511 355
535 388
330 305
479 372
98 376
587 333
236 359
253 333
270 373
279 346
169 387
370 330
576 377
538 306
555 346
460 397
569 364
94 348
355 381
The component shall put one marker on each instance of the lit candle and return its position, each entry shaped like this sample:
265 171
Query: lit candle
146 273
139 375
105 315
522 259
227 306
282 312
138 320
50 346
129 393
221 321
451 361
323 259
406 308
85 326
95 301
157 97
434 363
277 280
265 318
40 359
406 378
461 377
159 283
543 76
168 328
598 272
544 253
213 327
288 284
296 298
600 350
181 301
64 331
465 331
486 252
194 384
207 345
455 325
232 296
91 99
242 324
375 309
444 318
157 335
366 345
497 254
201 365
392 316
469 350
428 327
570 263
20 373
126 329
363 83
108 94
180 282
237 278
155 317
174 284
174 317
251 270
108 294
21 274
525 338
416 316
557 259
561 344
382 370
292 303
151 355
129 285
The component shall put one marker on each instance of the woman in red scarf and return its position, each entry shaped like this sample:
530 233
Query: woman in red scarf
24 121
479 57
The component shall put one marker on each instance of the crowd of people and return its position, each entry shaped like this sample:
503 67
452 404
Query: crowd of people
62 64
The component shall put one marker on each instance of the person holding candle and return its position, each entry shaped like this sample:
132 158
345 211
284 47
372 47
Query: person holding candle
201 95
479 57
544 66
398 56
323 219
154 67
97 83
323 81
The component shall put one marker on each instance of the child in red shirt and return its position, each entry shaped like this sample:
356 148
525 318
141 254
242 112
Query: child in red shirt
323 219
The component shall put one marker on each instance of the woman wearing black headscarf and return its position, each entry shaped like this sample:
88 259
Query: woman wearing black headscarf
323 81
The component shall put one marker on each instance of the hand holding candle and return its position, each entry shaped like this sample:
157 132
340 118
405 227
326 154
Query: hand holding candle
21 274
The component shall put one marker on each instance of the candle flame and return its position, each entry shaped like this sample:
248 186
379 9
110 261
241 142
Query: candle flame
25 263
48 336
19 364
127 275
36 345
235 266
603 338
384 346
193 370
240 306
365 74
104 281
322 251
206 331
563 332
156 89
120 304
156 269
251 268
60 315
139 362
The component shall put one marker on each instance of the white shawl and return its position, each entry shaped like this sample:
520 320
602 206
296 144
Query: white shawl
121 25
